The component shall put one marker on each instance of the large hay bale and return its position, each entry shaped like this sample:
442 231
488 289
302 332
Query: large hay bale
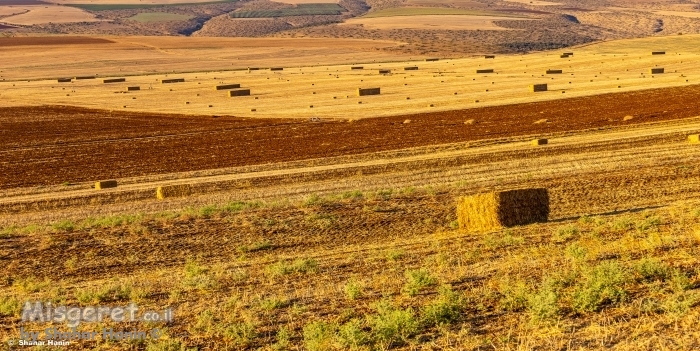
104 184
173 80
537 142
410 68
538 87
488 70
65 80
166 191
253 69
489 56
564 56
134 88
368 91
694 139
432 59
502 209
554 71
658 52
276 69
239 92
356 67
84 77
657 70
227 86
568 53
384 71
113 80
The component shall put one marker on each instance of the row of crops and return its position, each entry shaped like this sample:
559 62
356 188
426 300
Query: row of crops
299 10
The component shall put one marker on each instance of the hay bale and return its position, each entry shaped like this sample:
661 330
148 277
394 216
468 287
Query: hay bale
239 92
384 71
227 86
489 56
538 142
104 184
657 70
173 80
356 67
65 80
134 88
658 52
276 69
694 139
253 69
368 91
489 70
114 80
432 59
502 209
564 56
538 87
554 71
568 53
407 121
410 68
84 77
166 191
627 118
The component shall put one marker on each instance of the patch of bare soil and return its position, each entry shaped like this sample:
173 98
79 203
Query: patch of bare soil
62 40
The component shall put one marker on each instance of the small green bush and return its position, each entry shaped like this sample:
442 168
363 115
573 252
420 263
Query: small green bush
351 336
417 280
603 284
445 309
319 336
652 269
391 325
353 289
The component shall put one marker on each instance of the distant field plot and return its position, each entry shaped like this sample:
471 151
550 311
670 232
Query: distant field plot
444 22
424 11
127 4
299 10
146 17
37 14
536 2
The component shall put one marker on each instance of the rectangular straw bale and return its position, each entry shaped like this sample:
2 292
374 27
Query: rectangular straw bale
554 71
564 56
166 191
694 139
104 184
410 68
488 70
84 77
357 67
253 69
384 71
65 80
658 52
568 54
657 70
174 80
432 59
497 210
539 142
276 68
133 88
489 56
368 91
227 86
239 92
114 80
538 87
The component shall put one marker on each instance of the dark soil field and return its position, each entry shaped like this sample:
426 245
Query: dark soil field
56 144
62 40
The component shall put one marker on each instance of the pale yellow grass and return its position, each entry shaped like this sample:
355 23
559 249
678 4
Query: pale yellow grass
10 10
442 22
689 14
593 70
535 2
50 14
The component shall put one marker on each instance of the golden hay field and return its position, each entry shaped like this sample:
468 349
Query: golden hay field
446 84
39 14
119 2
444 22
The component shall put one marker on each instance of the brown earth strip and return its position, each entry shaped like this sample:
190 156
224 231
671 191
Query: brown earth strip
55 40
54 144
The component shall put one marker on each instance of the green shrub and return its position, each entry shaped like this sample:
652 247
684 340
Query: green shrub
319 336
353 289
648 223
515 295
282 268
445 309
564 234
417 280
351 336
395 254
282 339
392 325
9 306
240 334
651 269
576 252
543 304
603 284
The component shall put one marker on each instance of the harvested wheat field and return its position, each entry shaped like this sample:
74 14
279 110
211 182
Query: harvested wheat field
38 14
443 85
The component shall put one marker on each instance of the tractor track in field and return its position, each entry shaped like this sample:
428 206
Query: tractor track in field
47 145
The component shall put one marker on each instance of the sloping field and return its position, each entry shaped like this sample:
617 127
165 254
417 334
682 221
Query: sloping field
444 22
39 14
307 9
306 90
94 144
146 17
51 41
423 11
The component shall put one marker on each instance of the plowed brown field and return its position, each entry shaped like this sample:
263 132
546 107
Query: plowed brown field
51 145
